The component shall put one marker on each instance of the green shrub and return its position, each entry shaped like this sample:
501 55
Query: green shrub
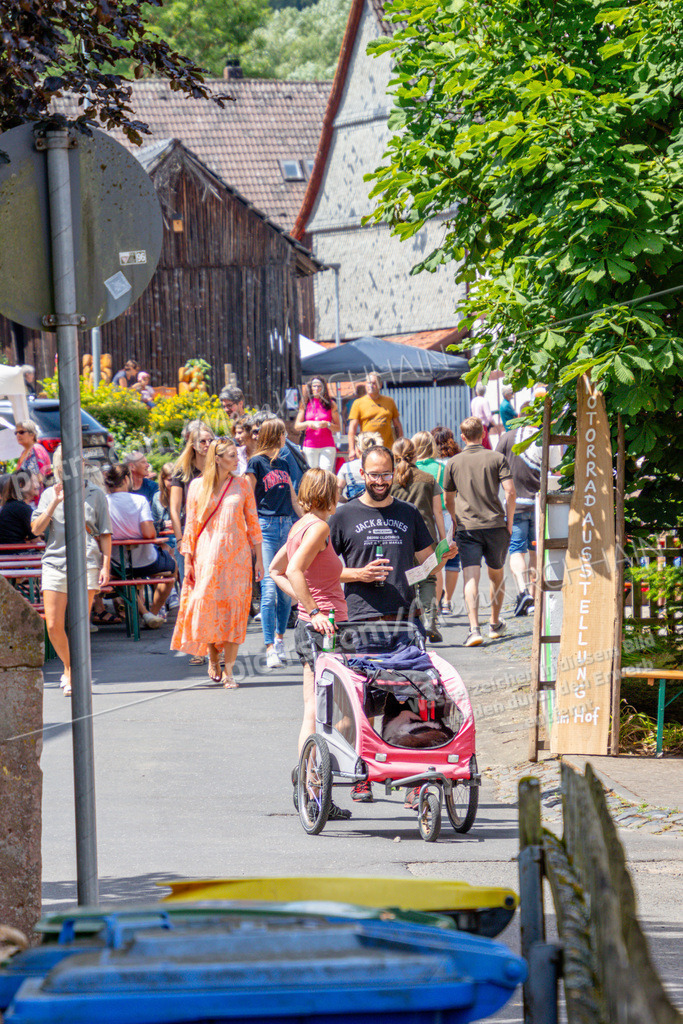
120 410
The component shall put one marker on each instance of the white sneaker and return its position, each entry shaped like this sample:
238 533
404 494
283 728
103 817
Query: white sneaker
173 600
272 659
497 629
280 649
152 621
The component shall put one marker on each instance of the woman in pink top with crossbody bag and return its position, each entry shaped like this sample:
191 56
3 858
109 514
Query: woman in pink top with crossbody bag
309 570
319 417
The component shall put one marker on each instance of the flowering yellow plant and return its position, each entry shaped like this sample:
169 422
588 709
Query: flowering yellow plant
170 415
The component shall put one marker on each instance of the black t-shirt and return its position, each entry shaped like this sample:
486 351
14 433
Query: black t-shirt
356 530
273 482
15 522
177 481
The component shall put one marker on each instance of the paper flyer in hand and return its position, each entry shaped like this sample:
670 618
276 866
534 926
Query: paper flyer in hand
421 572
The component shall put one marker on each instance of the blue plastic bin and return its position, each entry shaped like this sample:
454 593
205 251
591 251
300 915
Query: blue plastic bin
265 969
88 929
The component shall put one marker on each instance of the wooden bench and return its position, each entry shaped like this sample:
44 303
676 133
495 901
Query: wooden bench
23 561
128 583
662 676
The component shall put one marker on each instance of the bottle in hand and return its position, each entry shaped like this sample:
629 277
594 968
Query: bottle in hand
329 641
379 553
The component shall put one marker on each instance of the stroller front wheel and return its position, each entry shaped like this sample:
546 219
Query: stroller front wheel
314 785
462 803
429 815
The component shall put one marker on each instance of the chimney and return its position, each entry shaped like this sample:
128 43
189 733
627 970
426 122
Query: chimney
233 68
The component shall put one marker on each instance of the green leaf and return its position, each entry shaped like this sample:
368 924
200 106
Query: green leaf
617 270
622 371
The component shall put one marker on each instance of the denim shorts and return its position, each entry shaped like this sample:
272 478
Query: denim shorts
453 564
523 531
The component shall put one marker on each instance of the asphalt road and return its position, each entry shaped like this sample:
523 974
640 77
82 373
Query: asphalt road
194 781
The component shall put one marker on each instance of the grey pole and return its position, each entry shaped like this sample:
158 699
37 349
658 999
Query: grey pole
64 281
337 341
96 347
337 325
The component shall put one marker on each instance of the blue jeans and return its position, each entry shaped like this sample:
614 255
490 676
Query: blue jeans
275 605
523 535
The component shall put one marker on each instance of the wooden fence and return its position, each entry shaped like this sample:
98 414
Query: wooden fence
603 957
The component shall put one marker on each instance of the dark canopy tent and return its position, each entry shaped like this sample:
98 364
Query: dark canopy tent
398 364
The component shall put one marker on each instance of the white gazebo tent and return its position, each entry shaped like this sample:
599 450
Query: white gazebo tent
12 387
308 347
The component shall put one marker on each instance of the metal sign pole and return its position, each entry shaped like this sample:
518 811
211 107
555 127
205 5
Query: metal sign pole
96 340
66 319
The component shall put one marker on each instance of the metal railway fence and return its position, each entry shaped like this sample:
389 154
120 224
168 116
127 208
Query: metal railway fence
425 406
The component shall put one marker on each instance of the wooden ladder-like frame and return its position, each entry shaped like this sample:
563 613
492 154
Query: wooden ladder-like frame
544 586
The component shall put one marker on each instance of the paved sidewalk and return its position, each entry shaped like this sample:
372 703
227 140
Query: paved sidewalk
656 781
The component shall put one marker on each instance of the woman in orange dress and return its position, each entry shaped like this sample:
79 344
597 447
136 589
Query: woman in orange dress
221 531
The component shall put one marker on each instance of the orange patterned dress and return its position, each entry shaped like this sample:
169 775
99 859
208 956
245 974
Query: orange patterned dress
215 609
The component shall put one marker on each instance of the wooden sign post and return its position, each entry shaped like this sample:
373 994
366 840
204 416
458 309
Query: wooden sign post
581 713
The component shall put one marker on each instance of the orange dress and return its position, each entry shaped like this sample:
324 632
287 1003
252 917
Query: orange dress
215 609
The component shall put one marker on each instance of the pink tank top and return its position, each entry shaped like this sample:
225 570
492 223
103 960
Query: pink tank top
322 437
323 574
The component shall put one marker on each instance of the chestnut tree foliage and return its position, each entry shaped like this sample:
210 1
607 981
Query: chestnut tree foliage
86 47
551 133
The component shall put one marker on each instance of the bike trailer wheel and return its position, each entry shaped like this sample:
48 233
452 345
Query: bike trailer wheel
314 786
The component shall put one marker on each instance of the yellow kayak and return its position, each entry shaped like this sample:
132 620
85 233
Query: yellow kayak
482 910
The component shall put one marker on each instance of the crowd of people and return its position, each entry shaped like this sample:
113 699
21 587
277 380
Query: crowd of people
251 524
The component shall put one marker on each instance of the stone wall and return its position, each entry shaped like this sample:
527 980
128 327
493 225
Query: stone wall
378 295
21 740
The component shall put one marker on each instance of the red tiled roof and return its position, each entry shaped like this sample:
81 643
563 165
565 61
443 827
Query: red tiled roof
434 340
244 141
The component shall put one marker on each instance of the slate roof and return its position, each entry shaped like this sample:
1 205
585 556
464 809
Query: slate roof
378 7
244 141
335 94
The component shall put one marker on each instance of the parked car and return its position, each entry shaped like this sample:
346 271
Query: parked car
98 444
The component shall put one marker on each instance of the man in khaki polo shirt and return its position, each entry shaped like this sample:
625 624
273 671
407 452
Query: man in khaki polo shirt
471 483
374 412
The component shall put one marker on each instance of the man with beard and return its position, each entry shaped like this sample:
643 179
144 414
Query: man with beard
379 537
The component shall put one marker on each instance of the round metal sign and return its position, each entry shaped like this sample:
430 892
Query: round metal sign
117 228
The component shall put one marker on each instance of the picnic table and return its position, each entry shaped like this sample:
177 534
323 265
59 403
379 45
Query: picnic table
662 676
128 582
23 562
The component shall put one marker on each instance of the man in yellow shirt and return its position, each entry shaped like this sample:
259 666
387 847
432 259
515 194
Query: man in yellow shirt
374 412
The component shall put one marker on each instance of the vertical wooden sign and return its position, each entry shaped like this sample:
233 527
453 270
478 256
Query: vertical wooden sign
580 723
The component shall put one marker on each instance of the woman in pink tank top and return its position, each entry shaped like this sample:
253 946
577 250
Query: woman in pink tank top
319 417
309 570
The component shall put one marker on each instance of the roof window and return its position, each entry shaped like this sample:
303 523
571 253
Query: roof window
292 170
310 164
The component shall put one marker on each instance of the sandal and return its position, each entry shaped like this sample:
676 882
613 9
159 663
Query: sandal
229 682
198 659
215 674
106 619
338 813
412 800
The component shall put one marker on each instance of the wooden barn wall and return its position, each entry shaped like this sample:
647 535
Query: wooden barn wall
225 289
